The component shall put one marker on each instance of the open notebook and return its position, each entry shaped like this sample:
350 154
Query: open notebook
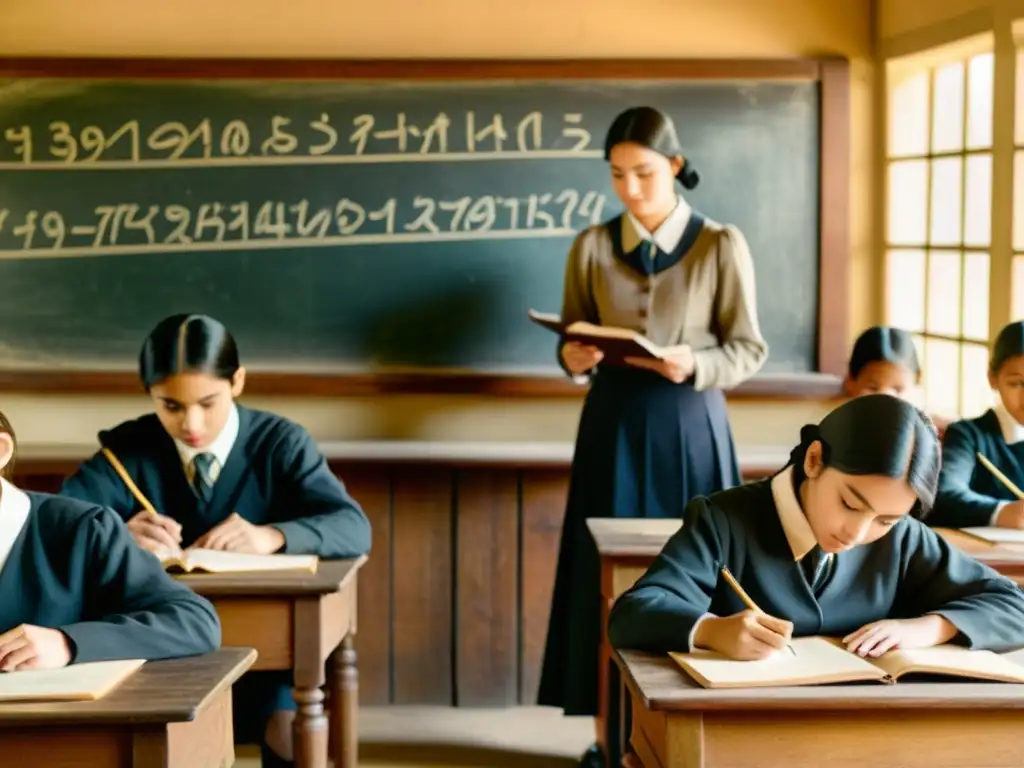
216 561
997 535
616 343
820 661
75 682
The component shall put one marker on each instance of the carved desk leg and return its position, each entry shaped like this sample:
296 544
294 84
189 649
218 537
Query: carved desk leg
345 705
310 728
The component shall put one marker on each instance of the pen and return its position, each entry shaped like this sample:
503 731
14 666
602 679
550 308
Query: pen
742 594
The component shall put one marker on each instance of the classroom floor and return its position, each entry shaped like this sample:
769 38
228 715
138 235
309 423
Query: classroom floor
445 737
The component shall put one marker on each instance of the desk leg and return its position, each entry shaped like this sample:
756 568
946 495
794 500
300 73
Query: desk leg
607 680
613 744
309 729
345 705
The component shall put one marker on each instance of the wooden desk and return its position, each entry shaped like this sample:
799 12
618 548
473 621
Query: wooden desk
675 722
297 621
628 546
169 714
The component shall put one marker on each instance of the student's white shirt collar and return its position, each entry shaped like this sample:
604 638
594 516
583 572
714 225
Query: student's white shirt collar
666 237
15 506
220 447
794 523
1013 431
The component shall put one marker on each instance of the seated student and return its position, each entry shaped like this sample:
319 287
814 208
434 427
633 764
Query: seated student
830 545
969 494
884 361
224 477
74 587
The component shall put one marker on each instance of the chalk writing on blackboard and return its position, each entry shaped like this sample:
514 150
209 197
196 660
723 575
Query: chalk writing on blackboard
213 226
285 140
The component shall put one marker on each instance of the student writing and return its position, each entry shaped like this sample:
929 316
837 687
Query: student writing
969 494
831 545
225 477
884 360
75 588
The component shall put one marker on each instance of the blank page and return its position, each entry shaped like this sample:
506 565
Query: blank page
216 561
75 682
817 661
952 660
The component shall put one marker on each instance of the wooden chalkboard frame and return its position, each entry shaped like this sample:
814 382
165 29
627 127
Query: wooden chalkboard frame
834 252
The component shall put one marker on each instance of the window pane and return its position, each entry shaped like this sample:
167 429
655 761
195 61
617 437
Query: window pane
904 290
942 376
908 202
919 344
948 109
1017 297
976 274
979 101
975 394
1018 201
947 201
978 201
908 117
944 293
1019 101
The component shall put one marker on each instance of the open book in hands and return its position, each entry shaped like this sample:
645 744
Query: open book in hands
218 561
821 660
616 343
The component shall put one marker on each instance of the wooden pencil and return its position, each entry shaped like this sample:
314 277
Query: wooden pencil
1001 477
747 601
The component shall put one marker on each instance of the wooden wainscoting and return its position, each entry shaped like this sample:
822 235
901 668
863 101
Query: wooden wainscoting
453 603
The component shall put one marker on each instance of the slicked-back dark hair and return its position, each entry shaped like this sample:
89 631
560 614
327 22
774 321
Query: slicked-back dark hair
877 435
1009 343
884 344
182 343
651 128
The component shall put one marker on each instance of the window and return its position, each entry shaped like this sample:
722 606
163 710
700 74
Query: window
938 224
1017 270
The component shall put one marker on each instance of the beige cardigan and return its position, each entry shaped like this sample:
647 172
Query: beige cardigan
706 300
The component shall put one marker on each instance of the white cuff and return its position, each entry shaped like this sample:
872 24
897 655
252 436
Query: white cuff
999 508
693 632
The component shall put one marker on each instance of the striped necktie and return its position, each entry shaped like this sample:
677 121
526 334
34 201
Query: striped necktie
202 476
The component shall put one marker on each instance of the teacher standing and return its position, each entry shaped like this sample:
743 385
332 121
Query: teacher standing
652 434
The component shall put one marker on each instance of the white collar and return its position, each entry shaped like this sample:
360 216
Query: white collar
666 237
221 445
794 522
1013 432
15 506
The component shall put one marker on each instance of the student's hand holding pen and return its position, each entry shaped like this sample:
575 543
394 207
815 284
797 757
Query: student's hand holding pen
155 532
745 636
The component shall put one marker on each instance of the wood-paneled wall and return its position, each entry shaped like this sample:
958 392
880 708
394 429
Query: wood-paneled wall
453 603
454 600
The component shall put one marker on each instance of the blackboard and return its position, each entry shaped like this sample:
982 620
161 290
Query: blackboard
346 225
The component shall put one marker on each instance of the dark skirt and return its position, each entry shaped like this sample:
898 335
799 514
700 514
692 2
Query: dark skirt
644 448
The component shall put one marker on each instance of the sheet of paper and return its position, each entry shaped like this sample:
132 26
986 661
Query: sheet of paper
998 535
237 562
816 660
76 682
